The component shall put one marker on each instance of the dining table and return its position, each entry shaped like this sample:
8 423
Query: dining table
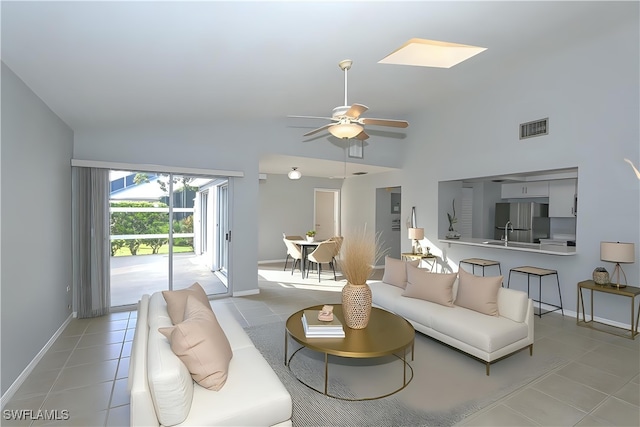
304 248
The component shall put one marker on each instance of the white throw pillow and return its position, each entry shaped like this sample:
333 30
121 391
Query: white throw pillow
434 287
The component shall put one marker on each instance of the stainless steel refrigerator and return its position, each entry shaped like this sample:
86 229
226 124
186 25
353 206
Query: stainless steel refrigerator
530 221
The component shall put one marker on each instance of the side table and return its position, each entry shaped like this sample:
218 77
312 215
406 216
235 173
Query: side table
629 291
430 259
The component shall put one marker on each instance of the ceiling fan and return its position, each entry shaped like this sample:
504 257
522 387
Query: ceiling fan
346 122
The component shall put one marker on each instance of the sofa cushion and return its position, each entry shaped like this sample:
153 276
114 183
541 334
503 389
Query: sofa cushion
177 300
158 315
252 396
395 271
478 293
170 382
420 311
486 333
434 287
513 304
385 295
201 344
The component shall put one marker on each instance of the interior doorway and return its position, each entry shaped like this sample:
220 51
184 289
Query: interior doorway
326 213
388 219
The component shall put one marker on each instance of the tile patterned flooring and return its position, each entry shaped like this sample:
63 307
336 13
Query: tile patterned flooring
85 371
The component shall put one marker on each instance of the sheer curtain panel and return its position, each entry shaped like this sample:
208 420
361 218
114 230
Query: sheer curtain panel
91 245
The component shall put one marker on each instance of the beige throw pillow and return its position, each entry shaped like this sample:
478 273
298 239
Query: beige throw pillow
478 293
395 271
177 301
434 287
201 344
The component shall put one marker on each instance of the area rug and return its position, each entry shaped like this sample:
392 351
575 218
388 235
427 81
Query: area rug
447 385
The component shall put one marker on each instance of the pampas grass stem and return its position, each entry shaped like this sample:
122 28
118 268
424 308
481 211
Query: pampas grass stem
359 254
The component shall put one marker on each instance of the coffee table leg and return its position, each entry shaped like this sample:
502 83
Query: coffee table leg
285 347
404 367
326 371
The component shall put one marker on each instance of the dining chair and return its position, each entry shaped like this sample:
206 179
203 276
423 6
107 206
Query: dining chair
294 252
338 240
323 254
290 237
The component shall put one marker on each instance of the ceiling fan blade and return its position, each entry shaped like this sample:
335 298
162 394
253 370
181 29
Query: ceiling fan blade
310 117
355 111
384 122
362 136
320 129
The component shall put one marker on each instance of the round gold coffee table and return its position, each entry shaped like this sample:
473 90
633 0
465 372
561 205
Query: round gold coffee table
386 334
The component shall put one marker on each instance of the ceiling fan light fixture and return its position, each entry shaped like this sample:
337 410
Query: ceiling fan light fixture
345 130
294 173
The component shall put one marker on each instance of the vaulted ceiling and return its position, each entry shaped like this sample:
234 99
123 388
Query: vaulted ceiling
109 64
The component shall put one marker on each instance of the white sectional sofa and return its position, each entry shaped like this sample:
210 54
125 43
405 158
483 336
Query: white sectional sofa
164 393
485 337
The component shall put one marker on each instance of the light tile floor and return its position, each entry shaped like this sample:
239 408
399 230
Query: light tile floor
85 371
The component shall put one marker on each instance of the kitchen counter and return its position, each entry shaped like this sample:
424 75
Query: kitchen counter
514 246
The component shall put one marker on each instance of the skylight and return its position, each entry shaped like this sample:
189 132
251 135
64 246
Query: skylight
431 53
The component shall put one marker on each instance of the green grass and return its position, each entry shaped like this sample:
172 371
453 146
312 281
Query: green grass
146 250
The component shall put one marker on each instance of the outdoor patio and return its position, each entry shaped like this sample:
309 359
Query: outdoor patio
133 276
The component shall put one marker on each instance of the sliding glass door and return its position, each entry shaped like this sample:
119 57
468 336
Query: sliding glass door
224 236
161 232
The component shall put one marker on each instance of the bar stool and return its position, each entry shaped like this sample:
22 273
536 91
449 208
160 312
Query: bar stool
480 263
540 273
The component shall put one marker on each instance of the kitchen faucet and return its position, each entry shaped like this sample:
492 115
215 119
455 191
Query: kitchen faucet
506 232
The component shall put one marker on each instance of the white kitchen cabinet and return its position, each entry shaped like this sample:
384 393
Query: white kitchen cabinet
519 190
562 198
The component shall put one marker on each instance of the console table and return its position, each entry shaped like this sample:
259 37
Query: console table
629 291
430 259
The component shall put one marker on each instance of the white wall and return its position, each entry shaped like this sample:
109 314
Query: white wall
35 223
591 95
286 206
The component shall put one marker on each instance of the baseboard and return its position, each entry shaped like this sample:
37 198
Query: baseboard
29 368
246 293
571 313
270 261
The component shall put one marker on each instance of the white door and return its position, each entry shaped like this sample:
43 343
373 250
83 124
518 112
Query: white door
327 213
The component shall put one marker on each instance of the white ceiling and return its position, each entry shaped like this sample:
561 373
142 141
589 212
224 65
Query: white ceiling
108 63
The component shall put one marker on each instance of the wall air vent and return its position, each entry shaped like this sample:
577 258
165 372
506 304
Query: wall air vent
535 128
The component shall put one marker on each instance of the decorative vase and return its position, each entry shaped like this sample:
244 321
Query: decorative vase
356 305
600 276
310 239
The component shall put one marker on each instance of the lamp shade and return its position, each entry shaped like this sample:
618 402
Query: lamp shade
345 130
416 233
294 173
617 252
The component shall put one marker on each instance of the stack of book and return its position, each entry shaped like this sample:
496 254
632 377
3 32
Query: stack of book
314 328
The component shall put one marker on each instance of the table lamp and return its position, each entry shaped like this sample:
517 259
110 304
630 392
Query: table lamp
619 253
415 234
